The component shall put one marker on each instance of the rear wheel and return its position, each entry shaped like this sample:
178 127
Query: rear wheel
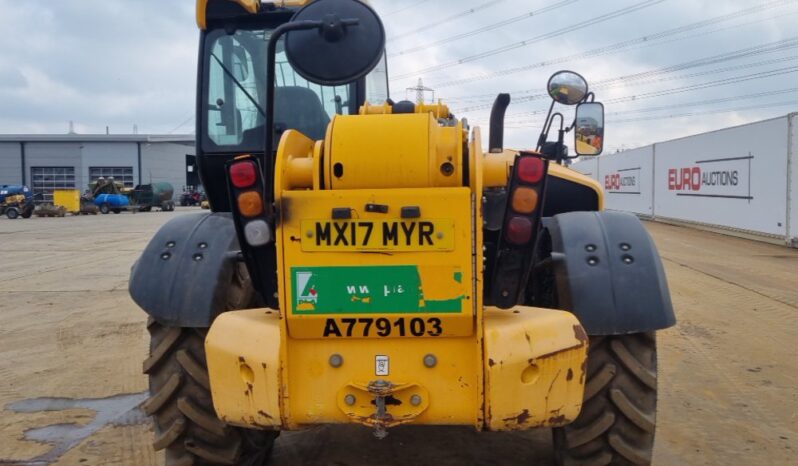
105 209
616 425
180 402
12 213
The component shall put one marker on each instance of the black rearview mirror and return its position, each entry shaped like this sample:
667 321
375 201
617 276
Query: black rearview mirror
589 132
348 44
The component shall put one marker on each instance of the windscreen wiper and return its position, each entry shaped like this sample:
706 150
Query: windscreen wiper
240 86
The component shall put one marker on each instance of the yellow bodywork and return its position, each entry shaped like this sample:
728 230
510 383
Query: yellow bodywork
499 166
250 6
68 198
393 318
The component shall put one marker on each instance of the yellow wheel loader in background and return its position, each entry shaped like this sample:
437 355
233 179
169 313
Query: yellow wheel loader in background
366 262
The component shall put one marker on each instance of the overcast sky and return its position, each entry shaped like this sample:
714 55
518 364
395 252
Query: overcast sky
111 63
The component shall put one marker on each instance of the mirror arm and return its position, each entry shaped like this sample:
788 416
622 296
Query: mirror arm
544 135
271 65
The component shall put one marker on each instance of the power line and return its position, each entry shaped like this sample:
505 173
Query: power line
676 106
533 40
404 8
710 112
769 47
187 120
453 17
489 27
705 85
707 102
656 76
643 41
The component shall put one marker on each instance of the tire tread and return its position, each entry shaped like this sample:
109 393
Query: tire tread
618 418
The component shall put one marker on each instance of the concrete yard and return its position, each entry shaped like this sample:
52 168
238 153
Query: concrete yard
72 343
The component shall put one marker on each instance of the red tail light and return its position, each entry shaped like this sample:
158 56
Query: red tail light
519 230
530 169
243 174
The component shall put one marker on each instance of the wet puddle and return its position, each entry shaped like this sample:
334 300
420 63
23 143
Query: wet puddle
118 410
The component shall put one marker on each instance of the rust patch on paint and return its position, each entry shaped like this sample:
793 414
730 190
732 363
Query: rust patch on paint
583 368
557 420
520 419
570 375
264 414
491 362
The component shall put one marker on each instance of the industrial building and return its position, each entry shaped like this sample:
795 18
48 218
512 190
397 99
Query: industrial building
48 162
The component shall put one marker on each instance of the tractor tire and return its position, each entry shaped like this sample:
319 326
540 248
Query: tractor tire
12 213
105 209
618 418
180 401
116 211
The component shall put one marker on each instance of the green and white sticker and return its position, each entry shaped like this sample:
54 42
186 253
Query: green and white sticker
367 290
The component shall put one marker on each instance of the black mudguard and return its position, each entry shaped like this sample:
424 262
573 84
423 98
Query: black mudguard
608 273
183 276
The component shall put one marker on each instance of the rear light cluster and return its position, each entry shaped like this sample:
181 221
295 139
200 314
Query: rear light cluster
526 191
246 191
522 216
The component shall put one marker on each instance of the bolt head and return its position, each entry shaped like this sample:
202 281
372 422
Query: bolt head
350 399
415 400
309 234
336 360
430 360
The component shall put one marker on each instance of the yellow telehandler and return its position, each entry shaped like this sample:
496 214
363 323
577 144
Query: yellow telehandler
365 261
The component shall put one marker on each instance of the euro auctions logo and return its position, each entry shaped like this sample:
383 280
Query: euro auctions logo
623 181
728 178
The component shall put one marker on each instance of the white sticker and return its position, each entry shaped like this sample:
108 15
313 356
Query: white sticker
382 366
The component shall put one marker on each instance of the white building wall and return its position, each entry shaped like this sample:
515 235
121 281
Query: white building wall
588 166
742 178
735 178
628 180
792 204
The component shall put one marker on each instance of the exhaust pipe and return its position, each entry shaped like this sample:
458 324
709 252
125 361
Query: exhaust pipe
497 123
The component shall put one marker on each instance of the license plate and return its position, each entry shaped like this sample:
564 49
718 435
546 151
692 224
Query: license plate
377 235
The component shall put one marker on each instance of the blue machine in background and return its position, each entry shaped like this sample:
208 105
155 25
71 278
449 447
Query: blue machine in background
111 202
10 190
